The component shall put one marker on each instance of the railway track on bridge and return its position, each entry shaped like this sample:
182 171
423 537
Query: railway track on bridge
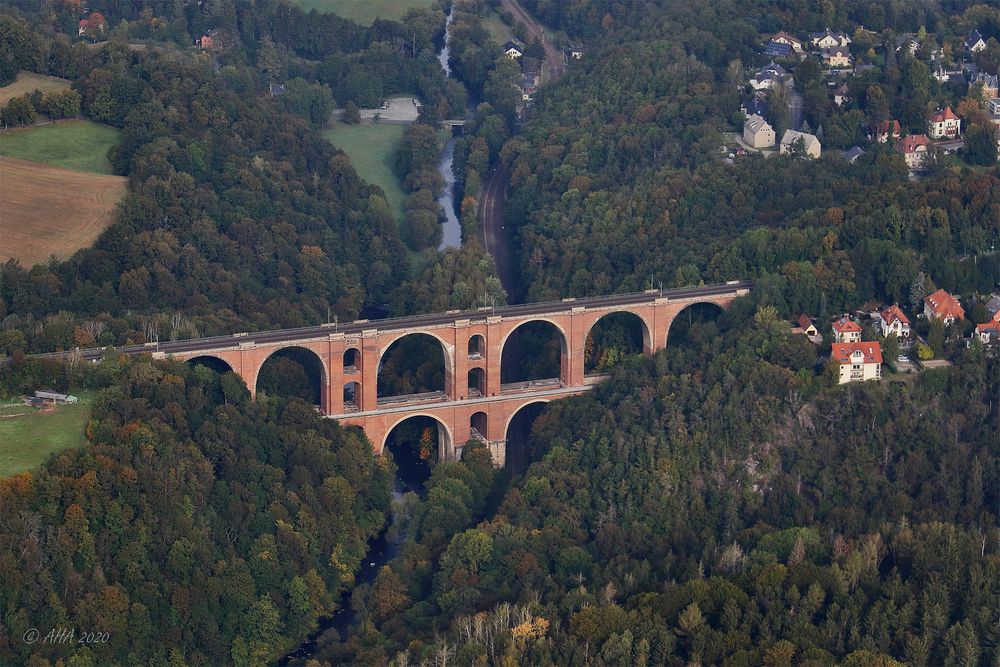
403 323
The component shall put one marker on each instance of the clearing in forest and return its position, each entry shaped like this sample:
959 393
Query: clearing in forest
29 435
29 81
51 211
364 12
76 144
372 150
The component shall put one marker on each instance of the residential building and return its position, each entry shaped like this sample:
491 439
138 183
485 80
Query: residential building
529 83
944 125
275 89
993 306
886 131
784 38
777 50
810 143
908 41
975 42
210 40
806 325
757 104
943 306
993 106
852 154
846 330
988 331
840 95
574 52
757 133
512 50
942 75
857 361
772 75
836 56
990 83
829 39
914 148
893 321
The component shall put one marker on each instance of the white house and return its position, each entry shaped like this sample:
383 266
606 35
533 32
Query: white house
893 321
845 330
512 50
857 361
829 39
914 148
975 42
944 125
771 76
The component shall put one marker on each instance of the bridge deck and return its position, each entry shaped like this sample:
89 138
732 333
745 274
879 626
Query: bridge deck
416 321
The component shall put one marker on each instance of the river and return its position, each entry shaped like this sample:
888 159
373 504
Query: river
451 236
409 477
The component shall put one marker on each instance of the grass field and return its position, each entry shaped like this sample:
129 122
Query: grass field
79 145
29 81
29 439
364 11
499 31
372 149
51 211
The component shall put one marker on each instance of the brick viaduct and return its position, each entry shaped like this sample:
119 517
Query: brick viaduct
474 403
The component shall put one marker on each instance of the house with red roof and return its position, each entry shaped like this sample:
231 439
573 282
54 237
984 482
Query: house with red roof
893 321
846 330
989 331
944 125
943 306
914 148
858 361
886 131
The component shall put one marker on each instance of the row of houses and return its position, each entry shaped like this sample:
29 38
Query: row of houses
860 360
758 133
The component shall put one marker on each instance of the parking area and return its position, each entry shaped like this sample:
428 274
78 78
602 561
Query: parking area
399 109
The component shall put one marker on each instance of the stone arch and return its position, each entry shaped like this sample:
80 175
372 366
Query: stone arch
564 360
477 381
646 329
477 346
517 456
530 402
352 396
686 307
443 429
480 422
324 371
352 358
446 352
211 361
